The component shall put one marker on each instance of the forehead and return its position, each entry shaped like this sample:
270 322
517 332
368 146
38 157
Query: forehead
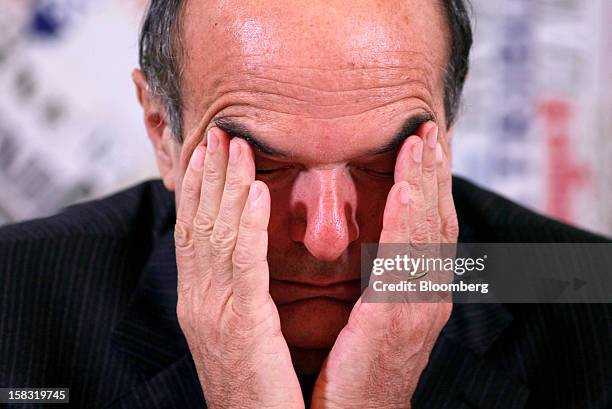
316 66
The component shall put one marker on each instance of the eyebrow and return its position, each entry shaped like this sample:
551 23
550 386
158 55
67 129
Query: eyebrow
238 130
408 128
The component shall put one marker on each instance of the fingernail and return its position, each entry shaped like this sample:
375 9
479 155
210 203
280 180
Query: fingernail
213 141
197 160
254 193
432 137
234 154
404 195
417 152
439 154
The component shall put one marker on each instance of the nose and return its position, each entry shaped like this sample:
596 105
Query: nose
325 222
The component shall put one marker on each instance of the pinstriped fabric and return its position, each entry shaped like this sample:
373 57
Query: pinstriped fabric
563 352
66 280
168 389
50 335
88 301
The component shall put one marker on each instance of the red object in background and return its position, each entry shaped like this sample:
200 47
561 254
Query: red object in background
565 175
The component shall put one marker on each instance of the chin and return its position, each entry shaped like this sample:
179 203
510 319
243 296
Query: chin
314 323
311 327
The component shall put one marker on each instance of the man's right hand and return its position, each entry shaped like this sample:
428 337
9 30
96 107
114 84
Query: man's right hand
224 306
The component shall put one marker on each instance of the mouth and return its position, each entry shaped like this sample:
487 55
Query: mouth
285 292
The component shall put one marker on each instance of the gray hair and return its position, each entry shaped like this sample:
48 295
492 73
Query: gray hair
160 54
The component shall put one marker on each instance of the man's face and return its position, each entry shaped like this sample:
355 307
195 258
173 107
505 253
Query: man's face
323 87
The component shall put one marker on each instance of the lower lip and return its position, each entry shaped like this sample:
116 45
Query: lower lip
285 292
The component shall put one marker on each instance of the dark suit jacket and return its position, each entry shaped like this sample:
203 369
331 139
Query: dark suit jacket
88 302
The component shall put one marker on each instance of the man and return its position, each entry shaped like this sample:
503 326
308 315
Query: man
289 133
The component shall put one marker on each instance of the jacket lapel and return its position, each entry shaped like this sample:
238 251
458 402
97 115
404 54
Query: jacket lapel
148 331
176 386
458 373
149 334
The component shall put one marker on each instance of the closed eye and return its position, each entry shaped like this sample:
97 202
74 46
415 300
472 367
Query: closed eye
381 165
269 166
271 170
377 173
265 166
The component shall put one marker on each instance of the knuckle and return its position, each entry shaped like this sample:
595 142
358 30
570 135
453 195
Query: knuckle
250 250
238 324
403 226
235 186
213 176
190 188
416 249
434 230
450 227
416 189
445 183
203 225
431 215
182 287
182 234
244 258
419 233
241 263
222 238
183 311
248 225
429 170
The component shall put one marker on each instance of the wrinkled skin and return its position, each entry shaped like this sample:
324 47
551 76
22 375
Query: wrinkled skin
325 84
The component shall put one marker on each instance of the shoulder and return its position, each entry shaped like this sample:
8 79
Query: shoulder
119 215
487 217
541 333
88 241
67 278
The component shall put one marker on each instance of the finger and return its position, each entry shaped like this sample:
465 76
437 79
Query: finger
395 233
211 192
408 162
191 186
240 174
188 205
402 211
410 156
430 184
404 216
251 274
449 225
396 220
417 210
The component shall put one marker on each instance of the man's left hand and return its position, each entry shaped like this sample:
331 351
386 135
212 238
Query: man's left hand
378 357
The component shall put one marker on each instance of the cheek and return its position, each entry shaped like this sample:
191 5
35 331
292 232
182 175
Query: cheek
280 211
371 198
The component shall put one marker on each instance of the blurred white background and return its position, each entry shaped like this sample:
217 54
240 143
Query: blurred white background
536 124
